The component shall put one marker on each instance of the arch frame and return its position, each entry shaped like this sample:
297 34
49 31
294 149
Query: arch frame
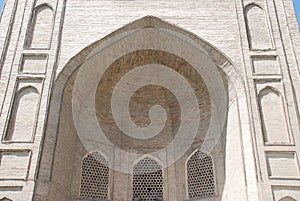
5 199
237 92
259 5
96 151
41 4
271 88
261 94
287 198
13 111
32 23
136 161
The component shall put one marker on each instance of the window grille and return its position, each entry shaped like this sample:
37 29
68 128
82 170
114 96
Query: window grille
200 176
94 177
147 180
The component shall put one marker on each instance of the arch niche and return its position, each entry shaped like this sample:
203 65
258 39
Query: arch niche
62 152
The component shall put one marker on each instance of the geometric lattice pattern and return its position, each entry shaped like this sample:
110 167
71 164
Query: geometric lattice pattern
147 180
200 176
94 177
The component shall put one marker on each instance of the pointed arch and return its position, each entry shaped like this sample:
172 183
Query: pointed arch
22 121
267 89
44 2
287 198
273 116
257 27
97 153
233 80
158 161
200 175
39 33
147 178
5 199
94 183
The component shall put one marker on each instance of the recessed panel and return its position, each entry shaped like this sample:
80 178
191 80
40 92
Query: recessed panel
14 164
34 64
22 121
257 27
265 65
283 165
286 193
274 117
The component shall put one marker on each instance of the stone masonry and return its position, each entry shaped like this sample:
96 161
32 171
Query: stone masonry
149 100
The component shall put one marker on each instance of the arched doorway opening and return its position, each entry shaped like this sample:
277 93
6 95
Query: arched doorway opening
162 51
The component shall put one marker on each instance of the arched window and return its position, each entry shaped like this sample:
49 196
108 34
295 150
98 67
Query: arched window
273 116
147 180
287 198
200 176
22 120
94 177
40 29
257 27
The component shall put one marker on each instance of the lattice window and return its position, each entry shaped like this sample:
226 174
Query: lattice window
94 177
147 180
200 176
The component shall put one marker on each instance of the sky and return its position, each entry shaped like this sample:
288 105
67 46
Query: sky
297 7
296 3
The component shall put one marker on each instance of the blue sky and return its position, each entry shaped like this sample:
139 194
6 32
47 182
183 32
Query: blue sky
297 6
296 3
